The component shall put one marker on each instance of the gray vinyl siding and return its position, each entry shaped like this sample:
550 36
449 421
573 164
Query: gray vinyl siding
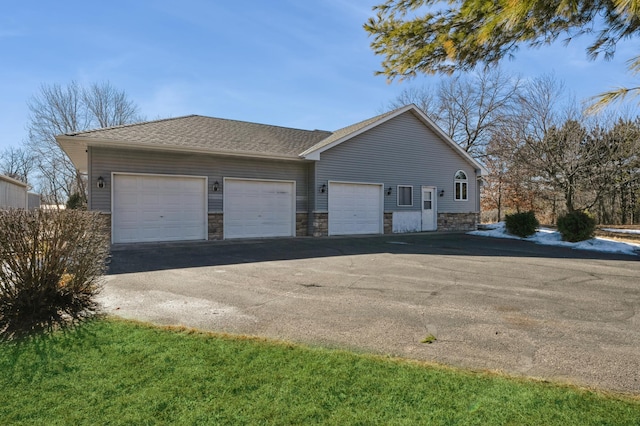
313 189
402 151
104 161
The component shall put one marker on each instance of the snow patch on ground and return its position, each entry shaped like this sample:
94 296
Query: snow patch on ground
550 237
622 231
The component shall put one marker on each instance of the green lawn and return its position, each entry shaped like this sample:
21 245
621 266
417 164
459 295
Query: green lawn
117 372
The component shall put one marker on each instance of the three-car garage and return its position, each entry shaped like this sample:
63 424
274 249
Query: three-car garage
149 208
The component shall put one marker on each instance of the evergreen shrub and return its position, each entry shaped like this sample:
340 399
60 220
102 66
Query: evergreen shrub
577 226
521 224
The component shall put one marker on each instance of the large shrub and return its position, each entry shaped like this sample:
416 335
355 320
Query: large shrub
521 224
51 263
577 226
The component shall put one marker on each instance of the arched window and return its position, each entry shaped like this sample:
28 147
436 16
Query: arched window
461 186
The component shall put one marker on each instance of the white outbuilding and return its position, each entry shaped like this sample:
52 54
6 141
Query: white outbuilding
13 193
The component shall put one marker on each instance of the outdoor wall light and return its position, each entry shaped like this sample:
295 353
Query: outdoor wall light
323 188
389 190
216 186
100 182
441 193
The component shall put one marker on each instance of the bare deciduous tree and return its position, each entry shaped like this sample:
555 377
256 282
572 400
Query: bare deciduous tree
108 106
560 159
60 109
17 163
541 101
506 187
423 97
468 108
525 161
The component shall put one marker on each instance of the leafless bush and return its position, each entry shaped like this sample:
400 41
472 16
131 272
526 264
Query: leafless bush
51 264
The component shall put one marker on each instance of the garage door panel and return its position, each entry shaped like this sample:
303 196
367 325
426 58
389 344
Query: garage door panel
258 208
128 198
158 208
355 209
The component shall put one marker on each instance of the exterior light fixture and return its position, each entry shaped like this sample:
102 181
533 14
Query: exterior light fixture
100 182
216 186
323 188
441 193
389 190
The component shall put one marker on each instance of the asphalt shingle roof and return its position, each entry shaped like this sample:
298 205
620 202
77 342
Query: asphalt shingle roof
211 134
223 136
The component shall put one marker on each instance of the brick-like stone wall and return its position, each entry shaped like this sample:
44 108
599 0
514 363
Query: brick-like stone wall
215 226
458 221
388 223
320 224
317 224
302 224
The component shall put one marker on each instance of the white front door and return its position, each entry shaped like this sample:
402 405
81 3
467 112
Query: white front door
429 215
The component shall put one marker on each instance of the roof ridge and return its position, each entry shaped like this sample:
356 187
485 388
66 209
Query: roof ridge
264 124
374 118
120 126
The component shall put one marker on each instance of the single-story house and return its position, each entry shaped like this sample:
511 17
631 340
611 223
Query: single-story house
198 178
13 193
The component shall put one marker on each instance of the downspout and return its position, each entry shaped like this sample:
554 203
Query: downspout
311 199
478 188
89 180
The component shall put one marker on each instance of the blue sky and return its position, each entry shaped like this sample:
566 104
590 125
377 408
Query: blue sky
291 63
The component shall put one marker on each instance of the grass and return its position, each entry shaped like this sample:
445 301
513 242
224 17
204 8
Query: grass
117 372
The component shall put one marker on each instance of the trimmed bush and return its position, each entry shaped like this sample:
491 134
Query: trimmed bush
577 226
76 201
521 224
51 263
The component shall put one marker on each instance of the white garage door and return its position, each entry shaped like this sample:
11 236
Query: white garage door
158 208
355 208
255 208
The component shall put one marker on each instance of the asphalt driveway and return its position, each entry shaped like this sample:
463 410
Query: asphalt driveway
550 312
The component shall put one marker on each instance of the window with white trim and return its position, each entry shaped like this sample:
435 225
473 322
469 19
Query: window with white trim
461 186
405 195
